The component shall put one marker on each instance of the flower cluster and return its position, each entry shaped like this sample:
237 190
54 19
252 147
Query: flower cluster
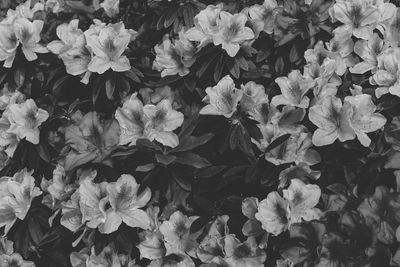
190 133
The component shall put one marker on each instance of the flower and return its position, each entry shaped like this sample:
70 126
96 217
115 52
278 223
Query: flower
232 32
25 118
125 205
9 258
206 25
253 95
300 171
273 213
23 10
161 121
56 6
294 89
222 99
71 214
364 119
178 260
111 7
70 36
368 50
108 43
262 17
177 236
246 254
16 195
302 200
131 121
76 61
90 139
92 203
174 57
358 17
333 121
8 44
387 75
28 34
151 96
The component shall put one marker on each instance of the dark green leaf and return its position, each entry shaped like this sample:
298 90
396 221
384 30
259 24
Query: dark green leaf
165 159
277 142
110 85
191 159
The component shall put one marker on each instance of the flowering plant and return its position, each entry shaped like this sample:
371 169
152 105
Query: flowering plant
199 133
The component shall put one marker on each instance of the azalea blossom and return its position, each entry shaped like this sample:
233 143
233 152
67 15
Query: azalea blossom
243 254
154 96
161 121
23 10
90 138
111 7
71 213
10 258
368 50
232 32
28 34
262 17
364 119
387 75
300 171
359 18
56 6
125 205
132 120
25 118
177 236
174 57
108 44
16 195
253 95
273 213
8 44
302 200
178 260
206 25
222 99
333 120
294 89
70 36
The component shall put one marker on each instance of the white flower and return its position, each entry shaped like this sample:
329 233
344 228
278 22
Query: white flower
205 25
368 50
232 32
174 57
125 205
108 43
302 200
56 6
262 17
246 254
28 34
76 61
273 213
359 18
387 75
161 121
16 195
8 44
23 10
131 120
70 36
333 121
253 96
294 89
177 236
71 214
222 99
25 118
364 119
111 7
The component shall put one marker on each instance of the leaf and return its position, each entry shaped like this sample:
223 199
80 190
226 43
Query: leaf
219 67
19 77
147 145
209 171
110 85
191 159
262 55
294 54
277 142
206 205
198 224
192 142
145 168
43 152
165 159
170 17
182 182
210 59
96 89
235 69
130 74
279 66
241 61
188 127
